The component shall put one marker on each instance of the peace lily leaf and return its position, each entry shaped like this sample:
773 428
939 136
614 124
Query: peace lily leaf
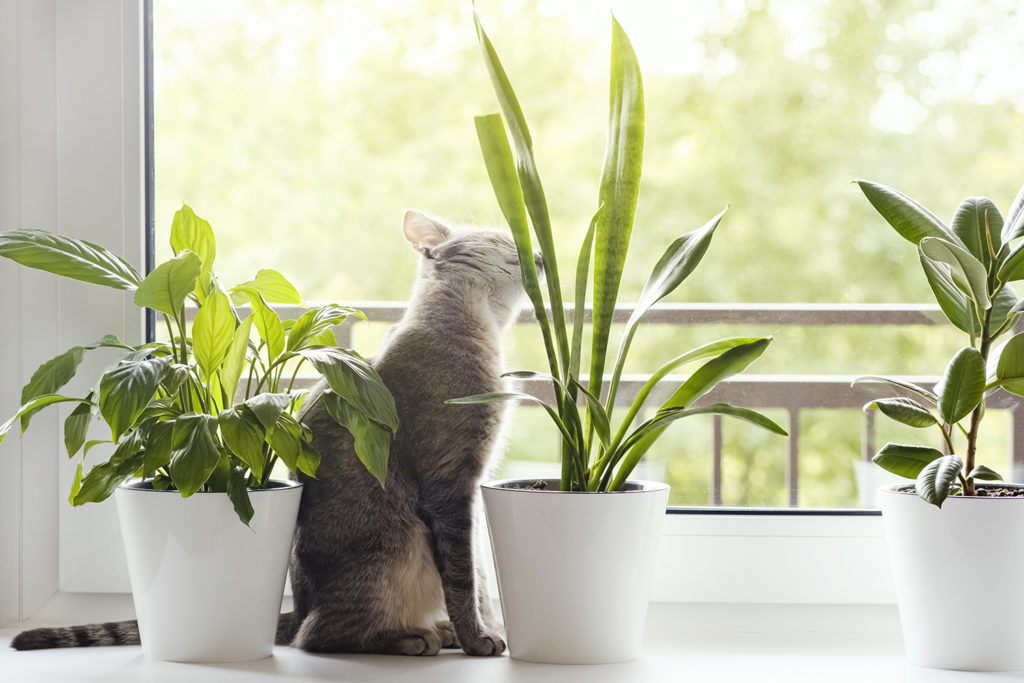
910 386
1014 225
158 446
285 437
978 224
31 408
51 376
906 461
104 478
195 452
68 257
166 287
317 321
243 434
267 324
620 186
76 484
352 378
127 389
268 407
985 474
936 479
904 410
911 220
968 273
189 232
234 359
955 305
372 441
309 457
76 426
239 495
213 332
1010 368
962 386
272 286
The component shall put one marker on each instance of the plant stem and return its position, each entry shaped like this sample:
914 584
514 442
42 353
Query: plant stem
170 335
972 433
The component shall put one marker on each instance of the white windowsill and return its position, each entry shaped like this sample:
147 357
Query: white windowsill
683 642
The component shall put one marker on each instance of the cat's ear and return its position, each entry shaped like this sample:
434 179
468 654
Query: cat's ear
422 231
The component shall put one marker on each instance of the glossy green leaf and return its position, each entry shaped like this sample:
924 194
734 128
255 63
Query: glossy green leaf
166 287
962 386
127 389
76 484
158 443
1014 225
272 286
985 474
267 324
68 257
1010 368
934 482
103 479
978 224
707 376
189 232
582 279
1002 311
234 359
955 305
238 494
352 378
906 461
52 376
619 189
76 426
316 321
309 457
598 416
285 437
372 441
243 434
268 407
909 386
911 220
904 410
26 411
195 452
967 272
1012 267
213 332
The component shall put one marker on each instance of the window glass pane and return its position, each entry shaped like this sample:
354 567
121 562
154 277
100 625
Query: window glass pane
303 129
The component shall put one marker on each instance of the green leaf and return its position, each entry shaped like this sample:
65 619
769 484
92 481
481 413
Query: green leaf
514 396
968 273
937 478
26 411
598 416
189 232
906 461
195 452
962 386
234 360
582 275
1002 310
978 224
158 441
317 321
985 474
620 187
285 438
372 441
127 389
239 495
352 378
911 220
904 410
1014 225
1010 368
213 332
51 376
272 286
166 287
955 305
76 426
68 257
243 434
309 457
105 477
76 484
267 324
268 407
704 379
1012 267
909 386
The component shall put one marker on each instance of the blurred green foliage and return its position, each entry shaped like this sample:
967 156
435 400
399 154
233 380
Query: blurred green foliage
303 129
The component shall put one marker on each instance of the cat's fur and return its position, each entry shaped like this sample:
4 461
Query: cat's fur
393 570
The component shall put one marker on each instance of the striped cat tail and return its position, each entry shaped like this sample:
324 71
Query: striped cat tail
87 635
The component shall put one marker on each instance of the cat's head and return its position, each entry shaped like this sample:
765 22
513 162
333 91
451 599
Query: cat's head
478 260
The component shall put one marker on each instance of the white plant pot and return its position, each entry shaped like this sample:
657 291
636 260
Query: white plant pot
574 569
958 574
206 587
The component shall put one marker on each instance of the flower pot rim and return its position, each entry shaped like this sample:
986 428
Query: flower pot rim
506 485
893 489
283 485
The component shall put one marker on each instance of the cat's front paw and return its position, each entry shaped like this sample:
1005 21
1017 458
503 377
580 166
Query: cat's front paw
483 644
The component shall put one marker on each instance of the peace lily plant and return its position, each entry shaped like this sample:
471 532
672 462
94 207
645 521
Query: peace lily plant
212 408
969 265
597 453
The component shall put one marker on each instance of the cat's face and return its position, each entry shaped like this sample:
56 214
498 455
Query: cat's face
479 260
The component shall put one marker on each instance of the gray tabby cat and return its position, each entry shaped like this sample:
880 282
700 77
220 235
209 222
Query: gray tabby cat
393 570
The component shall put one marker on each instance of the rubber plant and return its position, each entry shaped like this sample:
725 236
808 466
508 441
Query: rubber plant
213 407
968 265
599 451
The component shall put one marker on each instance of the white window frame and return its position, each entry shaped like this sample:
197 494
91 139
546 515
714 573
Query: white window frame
72 160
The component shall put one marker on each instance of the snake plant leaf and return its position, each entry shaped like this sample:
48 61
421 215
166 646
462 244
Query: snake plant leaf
985 474
195 452
274 287
353 379
234 359
962 385
927 394
598 416
530 184
906 461
955 305
515 396
619 190
978 224
76 426
934 482
243 434
582 278
372 441
166 287
238 494
127 389
212 332
968 273
189 232
1010 368
68 257
911 220
904 410
1013 227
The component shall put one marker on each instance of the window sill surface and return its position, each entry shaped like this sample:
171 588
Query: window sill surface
692 642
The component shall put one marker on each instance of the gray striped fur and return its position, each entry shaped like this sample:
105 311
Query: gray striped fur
88 635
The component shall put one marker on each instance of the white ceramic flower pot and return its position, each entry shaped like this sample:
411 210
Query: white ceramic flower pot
959 575
206 587
574 569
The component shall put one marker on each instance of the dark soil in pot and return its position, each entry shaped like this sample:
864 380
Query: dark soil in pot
982 491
